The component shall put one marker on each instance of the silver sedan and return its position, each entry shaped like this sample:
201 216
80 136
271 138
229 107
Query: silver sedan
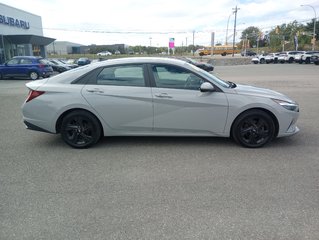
155 97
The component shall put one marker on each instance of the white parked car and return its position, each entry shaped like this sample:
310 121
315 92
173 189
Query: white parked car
272 58
306 57
259 59
155 97
104 53
298 56
288 57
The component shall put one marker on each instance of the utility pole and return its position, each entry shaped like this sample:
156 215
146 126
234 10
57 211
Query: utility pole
212 44
235 11
186 46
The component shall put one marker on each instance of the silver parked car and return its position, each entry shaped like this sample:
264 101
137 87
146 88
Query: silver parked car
155 97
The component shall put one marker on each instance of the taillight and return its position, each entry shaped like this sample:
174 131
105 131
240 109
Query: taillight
41 66
33 94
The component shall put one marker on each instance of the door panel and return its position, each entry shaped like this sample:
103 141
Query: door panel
189 111
122 108
181 108
121 98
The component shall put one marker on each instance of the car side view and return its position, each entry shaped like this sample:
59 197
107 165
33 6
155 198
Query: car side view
26 66
155 97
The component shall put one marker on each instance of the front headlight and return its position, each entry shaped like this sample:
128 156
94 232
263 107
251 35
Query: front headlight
291 106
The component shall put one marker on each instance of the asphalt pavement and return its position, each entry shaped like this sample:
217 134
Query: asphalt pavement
160 187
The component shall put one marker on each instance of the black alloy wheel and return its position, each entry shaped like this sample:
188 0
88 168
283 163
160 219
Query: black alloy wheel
253 129
80 129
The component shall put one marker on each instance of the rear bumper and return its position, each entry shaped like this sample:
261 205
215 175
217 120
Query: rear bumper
31 126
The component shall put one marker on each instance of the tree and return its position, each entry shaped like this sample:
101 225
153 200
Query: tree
250 35
309 28
284 35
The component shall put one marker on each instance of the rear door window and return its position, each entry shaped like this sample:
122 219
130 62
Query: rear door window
123 75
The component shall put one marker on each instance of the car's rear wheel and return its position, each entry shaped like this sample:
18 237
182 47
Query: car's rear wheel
253 129
80 129
34 75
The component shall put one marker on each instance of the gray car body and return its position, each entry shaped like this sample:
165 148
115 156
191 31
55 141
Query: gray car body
143 111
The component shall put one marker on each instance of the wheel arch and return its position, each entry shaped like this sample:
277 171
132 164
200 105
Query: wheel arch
273 117
60 119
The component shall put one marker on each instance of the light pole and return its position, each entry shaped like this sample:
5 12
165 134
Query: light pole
235 11
314 26
227 28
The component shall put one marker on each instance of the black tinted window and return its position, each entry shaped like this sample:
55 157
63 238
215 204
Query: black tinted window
128 75
167 76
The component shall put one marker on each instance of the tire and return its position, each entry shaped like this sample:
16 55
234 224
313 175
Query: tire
34 75
291 60
253 129
307 61
80 129
262 61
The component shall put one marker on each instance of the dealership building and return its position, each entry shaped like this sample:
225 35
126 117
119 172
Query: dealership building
21 34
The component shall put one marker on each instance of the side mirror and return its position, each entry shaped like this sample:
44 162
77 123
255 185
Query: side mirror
207 87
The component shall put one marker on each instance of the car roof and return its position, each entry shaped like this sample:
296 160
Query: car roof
141 60
30 57
160 60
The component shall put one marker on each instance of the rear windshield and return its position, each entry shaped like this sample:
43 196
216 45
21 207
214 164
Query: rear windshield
70 75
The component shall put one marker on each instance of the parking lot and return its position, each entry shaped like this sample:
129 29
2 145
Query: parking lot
164 188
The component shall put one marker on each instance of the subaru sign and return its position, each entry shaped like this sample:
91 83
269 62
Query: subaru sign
14 22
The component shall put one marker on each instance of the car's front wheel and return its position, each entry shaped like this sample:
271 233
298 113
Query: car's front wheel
80 129
253 129
34 75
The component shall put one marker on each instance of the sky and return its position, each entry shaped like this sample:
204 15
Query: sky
154 22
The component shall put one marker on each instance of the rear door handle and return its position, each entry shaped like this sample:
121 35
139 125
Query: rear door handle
95 90
163 95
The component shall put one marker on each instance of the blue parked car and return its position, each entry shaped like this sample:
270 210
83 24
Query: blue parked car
26 66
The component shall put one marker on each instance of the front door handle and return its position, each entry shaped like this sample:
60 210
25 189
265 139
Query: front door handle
163 95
